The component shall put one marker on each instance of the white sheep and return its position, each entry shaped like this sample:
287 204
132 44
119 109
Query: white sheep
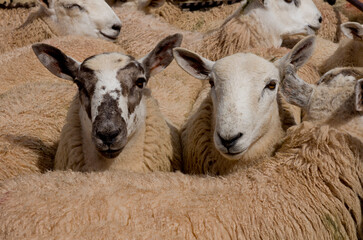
58 17
311 189
242 118
112 122
237 33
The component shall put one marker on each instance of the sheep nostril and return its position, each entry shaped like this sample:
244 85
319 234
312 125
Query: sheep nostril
320 19
108 137
116 27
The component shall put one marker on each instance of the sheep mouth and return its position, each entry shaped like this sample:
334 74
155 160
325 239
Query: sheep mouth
113 38
111 153
312 29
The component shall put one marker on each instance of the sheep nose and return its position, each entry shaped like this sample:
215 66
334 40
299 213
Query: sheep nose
228 143
108 137
116 27
320 19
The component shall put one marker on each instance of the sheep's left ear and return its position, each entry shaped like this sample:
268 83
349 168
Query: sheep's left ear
42 10
295 90
162 55
299 54
352 30
359 95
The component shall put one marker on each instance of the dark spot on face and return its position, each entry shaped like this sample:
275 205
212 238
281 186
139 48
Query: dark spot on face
103 88
128 77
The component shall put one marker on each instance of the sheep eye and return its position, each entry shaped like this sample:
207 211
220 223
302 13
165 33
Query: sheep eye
72 6
271 85
211 82
140 82
288 1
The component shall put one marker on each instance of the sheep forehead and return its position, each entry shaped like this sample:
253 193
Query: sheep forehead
107 61
245 68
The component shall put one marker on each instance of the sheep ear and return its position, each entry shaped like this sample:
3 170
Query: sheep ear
295 90
192 63
41 11
359 95
45 3
56 61
299 54
162 55
144 4
352 30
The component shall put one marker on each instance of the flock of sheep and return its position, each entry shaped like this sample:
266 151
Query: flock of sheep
255 131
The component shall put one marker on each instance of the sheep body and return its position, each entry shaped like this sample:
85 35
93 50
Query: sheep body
311 189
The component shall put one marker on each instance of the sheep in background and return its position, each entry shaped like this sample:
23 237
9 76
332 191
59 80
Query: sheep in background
17 3
58 17
311 189
238 33
242 118
113 123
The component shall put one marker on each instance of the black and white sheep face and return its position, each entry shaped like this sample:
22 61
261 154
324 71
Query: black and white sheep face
93 18
289 17
244 94
111 90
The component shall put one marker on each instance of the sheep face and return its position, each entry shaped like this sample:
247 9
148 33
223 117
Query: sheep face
289 17
92 18
111 90
244 102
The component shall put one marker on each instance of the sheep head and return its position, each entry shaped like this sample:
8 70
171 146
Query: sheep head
111 88
244 90
284 18
335 100
94 18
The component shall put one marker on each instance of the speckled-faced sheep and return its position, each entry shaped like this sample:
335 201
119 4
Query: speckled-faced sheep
311 189
112 122
58 17
242 118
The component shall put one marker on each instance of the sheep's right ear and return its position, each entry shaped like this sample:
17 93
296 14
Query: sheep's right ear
352 30
56 61
192 63
299 54
295 90
359 95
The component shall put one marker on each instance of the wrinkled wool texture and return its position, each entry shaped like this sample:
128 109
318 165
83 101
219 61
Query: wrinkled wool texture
11 37
200 20
21 65
157 148
330 26
31 119
311 190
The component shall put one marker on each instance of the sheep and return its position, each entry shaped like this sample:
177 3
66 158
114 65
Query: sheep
311 189
113 123
58 17
347 53
236 34
242 118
